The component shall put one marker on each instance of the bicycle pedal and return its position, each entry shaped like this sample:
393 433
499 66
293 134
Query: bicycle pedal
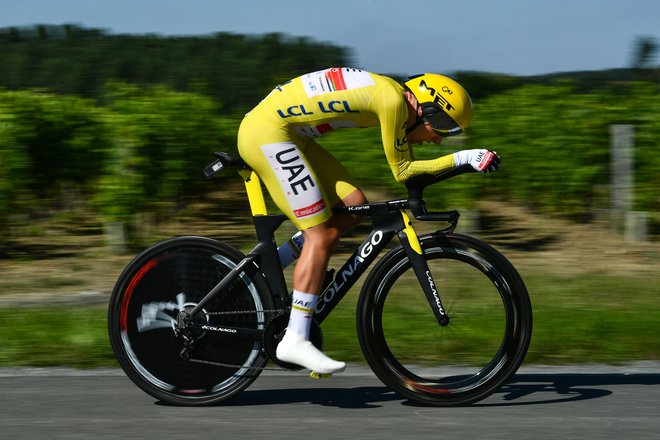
315 375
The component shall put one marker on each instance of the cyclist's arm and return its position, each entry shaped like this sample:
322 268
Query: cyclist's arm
431 166
393 119
392 112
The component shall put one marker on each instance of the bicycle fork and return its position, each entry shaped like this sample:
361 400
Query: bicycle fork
415 253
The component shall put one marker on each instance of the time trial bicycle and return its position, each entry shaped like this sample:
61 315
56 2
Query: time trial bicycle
194 321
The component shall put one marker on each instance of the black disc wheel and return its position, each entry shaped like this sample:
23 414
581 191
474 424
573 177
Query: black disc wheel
220 353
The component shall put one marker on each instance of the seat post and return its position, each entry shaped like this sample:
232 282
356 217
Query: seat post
266 249
254 192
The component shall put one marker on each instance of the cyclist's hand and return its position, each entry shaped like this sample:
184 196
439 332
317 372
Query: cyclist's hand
481 160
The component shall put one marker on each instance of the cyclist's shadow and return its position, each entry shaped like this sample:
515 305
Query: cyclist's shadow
523 389
546 388
360 397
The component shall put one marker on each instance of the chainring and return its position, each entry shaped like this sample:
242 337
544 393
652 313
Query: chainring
274 332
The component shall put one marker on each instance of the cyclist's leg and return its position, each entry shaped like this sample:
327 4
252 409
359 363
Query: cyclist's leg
296 189
321 239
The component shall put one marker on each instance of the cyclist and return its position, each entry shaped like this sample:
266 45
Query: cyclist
276 139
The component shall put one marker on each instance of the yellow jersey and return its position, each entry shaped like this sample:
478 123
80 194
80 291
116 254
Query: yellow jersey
319 102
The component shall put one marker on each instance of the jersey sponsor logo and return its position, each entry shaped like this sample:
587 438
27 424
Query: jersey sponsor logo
294 110
296 180
336 107
335 79
330 107
293 166
310 210
401 144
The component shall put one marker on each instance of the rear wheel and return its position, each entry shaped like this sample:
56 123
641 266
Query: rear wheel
489 330
147 299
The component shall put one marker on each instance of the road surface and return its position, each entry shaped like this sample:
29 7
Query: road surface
541 403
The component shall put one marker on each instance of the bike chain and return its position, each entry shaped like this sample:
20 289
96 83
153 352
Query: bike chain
222 364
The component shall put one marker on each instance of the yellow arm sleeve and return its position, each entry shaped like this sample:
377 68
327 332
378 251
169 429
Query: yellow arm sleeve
411 168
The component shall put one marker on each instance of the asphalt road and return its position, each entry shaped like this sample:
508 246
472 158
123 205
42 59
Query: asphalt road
541 403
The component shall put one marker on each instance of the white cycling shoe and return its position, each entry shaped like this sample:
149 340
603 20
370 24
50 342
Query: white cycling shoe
294 348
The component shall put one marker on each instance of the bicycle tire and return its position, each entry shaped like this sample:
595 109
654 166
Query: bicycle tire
487 337
142 313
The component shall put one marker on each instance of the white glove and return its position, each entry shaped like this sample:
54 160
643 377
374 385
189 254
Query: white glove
482 160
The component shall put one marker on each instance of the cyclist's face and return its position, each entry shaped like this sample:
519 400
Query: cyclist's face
424 133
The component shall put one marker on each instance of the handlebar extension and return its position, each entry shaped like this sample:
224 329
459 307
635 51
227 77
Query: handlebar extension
416 186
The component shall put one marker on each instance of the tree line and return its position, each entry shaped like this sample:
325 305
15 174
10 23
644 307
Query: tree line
128 146
236 70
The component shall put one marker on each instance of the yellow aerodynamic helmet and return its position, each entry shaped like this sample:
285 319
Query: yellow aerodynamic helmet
446 105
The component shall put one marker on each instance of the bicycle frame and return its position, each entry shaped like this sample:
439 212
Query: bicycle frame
204 352
388 219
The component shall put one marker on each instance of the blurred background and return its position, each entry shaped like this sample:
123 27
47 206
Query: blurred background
109 111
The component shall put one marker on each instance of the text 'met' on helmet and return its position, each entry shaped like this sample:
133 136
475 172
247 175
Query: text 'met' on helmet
445 104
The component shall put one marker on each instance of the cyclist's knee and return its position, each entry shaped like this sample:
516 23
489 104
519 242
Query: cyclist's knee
323 236
356 197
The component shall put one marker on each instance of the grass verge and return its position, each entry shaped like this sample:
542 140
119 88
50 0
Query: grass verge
577 319
594 296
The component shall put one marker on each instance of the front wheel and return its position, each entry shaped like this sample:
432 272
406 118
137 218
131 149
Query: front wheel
489 330
155 288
